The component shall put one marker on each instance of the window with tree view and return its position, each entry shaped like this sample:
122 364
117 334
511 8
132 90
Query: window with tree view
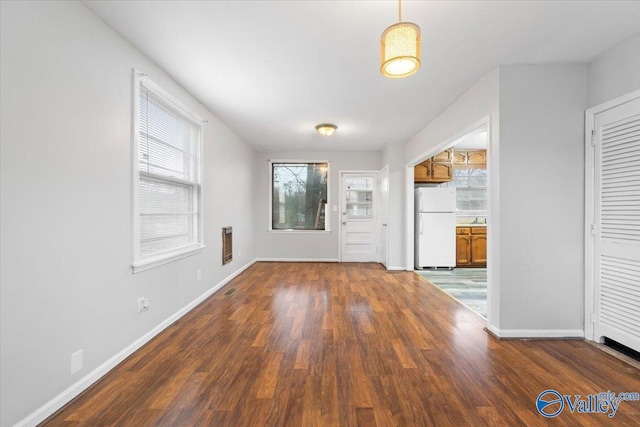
299 196
471 191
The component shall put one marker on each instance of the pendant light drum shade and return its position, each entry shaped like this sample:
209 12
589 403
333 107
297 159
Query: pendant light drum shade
400 50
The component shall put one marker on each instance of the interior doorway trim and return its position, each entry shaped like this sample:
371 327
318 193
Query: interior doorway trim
409 183
589 207
493 243
383 206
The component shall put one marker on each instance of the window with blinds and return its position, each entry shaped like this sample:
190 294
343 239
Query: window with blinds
471 191
168 178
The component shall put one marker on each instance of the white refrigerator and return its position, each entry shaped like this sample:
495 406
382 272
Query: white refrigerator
435 227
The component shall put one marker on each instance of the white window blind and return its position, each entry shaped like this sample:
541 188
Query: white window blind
471 191
169 177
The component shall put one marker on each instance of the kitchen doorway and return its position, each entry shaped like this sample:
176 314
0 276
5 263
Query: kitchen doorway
461 165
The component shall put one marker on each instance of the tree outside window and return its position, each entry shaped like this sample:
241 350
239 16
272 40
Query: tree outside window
299 196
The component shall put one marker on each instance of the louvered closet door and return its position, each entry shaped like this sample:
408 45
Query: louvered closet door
617 221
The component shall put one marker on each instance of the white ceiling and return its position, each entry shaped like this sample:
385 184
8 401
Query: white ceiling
474 140
272 70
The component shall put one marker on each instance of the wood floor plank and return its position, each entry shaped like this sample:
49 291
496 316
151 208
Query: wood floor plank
269 378
303 354
328 344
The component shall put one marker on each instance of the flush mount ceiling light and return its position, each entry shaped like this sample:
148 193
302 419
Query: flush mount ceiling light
326 129
400 48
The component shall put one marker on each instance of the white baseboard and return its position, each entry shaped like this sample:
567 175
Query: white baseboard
493 330
536 333
70 393
298 259
395 268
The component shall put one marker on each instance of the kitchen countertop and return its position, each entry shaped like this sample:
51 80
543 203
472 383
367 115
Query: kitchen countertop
471 225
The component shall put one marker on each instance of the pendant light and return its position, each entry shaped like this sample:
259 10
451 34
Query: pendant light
400 48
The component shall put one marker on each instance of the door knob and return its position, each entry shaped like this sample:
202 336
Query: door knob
344 223
384 225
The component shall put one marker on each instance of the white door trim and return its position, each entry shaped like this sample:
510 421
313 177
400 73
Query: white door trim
409 184
384 230
341 207
589 206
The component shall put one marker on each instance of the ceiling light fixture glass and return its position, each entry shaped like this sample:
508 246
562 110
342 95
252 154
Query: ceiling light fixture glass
400 48
326 129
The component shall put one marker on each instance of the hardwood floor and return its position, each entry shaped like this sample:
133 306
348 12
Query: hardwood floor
304 344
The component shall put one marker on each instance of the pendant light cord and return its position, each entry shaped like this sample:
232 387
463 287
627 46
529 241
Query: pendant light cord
399 10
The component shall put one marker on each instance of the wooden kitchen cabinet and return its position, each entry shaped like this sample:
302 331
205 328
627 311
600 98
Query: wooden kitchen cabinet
478 157
470 159
471 246
437 169
479 246
463 247
422 172
441 172
459 158
443 157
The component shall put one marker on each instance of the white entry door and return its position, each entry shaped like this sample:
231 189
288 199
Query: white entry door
616 198
359 230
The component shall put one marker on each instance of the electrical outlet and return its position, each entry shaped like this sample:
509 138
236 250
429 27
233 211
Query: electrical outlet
76 361
239 253
198 274
143 304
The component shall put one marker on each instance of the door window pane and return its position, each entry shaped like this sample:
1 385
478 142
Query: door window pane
359 197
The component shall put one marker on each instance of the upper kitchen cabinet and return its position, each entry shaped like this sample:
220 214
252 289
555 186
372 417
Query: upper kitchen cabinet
459 158
437 169
478 157
422 172
441 172
473 159
445 157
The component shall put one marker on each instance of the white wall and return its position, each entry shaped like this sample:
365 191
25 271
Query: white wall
393 156
304 246
480 101
66 281
542 199
614 73
536 192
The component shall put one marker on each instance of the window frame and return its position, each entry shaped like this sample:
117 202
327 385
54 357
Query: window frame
327 214
141 263
471 213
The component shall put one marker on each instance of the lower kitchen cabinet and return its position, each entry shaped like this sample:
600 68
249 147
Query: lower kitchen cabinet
479 247
463 249
471 246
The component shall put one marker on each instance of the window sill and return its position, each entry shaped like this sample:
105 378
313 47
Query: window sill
165 258
300 231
